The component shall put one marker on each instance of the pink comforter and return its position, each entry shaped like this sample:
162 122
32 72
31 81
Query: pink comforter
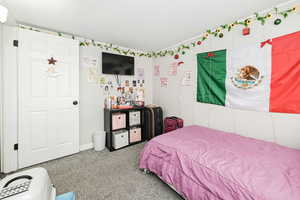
205 164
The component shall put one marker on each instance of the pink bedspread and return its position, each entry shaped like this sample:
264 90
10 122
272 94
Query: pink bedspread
205 164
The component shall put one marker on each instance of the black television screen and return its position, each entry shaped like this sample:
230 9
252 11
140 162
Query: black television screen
117 64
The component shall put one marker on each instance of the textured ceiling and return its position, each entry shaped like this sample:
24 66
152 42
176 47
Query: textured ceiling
145 25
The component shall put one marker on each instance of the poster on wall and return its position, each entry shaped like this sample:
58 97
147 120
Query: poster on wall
260 77
85 61
89 62
173 69
156 70
93 75
102 81
187 78
163 82
140 73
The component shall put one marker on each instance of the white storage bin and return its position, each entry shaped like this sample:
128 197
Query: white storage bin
135 135
134 118
120 139
118 121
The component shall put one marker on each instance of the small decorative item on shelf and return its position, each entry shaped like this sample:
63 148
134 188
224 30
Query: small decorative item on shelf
140 103
124 106
114 107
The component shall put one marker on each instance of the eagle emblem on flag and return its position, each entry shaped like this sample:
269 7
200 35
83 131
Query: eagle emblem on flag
247 77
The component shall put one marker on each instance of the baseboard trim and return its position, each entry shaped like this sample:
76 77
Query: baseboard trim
86 147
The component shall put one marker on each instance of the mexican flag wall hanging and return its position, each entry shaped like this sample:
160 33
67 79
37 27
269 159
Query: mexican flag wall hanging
261 77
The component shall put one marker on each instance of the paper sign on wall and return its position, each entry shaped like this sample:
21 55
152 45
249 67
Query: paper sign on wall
89 62
156 70
163 82
93 76
140 73
187 78
102 81
93 62
173 69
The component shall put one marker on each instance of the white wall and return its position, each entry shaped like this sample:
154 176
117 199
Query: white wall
91 97
181 100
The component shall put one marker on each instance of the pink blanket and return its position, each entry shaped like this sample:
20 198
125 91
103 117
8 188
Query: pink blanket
206 164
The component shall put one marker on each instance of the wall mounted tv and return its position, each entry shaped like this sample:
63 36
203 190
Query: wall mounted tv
117 64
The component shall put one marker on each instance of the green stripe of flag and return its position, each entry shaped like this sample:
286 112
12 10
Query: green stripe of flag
211 77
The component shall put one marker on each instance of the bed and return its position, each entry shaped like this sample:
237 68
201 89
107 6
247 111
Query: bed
206 164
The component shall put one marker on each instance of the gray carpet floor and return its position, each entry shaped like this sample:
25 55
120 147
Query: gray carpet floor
107 176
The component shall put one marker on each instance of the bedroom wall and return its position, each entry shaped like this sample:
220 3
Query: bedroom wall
181 100
91 97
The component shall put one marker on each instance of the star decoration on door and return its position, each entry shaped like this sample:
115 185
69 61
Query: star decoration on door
51 70
52 61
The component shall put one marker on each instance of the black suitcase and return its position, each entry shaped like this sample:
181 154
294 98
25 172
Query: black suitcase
153 121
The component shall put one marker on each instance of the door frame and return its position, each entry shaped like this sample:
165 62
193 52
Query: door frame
9 97
1 99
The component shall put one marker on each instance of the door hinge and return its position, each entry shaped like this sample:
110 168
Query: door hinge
16 147
16 43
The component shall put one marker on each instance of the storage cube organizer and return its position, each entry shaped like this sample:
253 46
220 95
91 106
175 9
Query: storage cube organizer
134 118
120 139
135 135
118 121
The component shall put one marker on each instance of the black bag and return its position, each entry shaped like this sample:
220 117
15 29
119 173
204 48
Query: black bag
153 121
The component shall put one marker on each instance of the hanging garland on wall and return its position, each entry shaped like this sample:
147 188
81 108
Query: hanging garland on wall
84 42
183 48
219 31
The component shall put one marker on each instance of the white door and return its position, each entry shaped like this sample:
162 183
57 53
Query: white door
48 92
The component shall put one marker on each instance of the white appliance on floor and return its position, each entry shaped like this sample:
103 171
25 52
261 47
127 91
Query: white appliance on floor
33 184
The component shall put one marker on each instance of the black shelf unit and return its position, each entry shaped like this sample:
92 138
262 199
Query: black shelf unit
108 125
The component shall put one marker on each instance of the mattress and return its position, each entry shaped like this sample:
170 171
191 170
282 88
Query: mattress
206 164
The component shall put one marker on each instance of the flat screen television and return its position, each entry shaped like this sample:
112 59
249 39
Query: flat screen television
117 64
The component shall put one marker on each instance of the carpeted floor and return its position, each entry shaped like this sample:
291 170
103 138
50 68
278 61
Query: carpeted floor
107 176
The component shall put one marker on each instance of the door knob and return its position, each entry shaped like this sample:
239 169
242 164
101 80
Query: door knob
75 103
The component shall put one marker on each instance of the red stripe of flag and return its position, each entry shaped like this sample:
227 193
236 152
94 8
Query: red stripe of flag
285 80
